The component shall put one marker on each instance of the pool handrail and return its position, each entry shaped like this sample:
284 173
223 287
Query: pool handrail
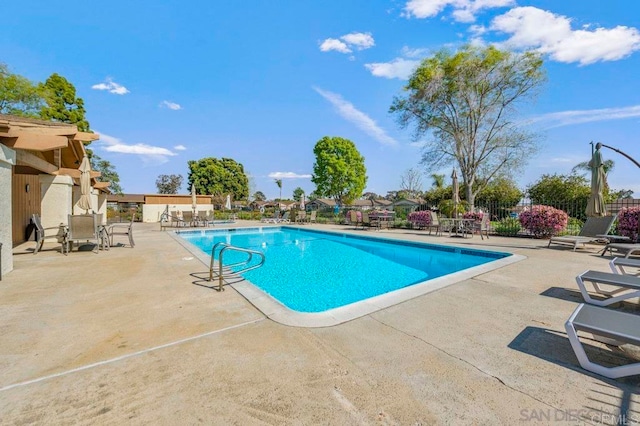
225 247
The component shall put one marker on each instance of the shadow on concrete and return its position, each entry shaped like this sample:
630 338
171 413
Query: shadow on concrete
202 280
567 294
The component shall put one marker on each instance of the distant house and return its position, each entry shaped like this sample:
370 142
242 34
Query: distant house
409 204
122 202
321 204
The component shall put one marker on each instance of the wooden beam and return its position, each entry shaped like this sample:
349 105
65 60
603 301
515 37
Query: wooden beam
75 173
85 137
24 158
101 185
35 141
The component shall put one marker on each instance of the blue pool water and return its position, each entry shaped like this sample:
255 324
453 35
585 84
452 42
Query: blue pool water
313 271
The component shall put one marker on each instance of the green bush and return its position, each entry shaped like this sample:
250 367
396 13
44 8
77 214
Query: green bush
509 226
574 225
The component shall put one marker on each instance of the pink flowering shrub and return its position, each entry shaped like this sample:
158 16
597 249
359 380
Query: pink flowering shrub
543 221
477 216
628 218
420 219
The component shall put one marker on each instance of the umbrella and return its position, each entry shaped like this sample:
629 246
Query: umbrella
85 185
456 196
194 199
595 205
302 202
227 205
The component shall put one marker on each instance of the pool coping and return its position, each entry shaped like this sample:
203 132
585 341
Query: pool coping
279 313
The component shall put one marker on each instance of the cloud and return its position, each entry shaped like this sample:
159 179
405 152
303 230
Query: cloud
180 148
171 105
111 86
334 44
287 175
567 118
350 113
463 10
348 42
147 152
397 68
530 27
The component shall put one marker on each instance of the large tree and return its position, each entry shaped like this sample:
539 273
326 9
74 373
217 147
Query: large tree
411 182
219 177
259 196
339 171
466 104
502 191
169 184
108 173
62 104
18 95
297 194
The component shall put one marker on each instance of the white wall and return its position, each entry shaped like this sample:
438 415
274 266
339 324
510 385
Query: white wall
7 160
101 205
152 212
56 199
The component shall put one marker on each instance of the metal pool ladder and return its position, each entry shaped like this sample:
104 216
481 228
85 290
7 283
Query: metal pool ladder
230 273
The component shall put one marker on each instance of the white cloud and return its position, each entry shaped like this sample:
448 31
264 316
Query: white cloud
411 52
360 40
112 87
180 148
530 27
348 42
288 175
171 105
463 10
398 68
567 118
350 113
147 152
334 44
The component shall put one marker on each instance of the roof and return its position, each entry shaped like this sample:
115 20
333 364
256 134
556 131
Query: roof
125 198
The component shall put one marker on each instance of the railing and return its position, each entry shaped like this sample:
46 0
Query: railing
232 273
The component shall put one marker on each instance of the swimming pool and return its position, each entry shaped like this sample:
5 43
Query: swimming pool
310 271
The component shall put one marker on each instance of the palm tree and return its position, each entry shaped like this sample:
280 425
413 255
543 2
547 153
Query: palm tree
279 183
438 180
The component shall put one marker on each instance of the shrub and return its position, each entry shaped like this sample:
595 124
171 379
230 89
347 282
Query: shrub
477 216
543 221
628 219
420 219
508 226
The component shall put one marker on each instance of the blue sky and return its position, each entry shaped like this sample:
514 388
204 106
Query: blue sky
262 81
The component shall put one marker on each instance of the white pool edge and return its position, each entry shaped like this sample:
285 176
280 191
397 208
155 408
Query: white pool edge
279 313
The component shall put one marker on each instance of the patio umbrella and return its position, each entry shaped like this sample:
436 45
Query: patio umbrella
194 199
227 205
85 185
302 202
456 196
595 205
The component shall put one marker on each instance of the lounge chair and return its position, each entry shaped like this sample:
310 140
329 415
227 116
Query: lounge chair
595 228
629 285
284 218
82 227
42 233
618 264
615 327
623 248
353 218
122 229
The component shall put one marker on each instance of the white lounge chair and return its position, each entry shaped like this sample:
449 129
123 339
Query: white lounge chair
618 264
595 228
623 248
628 285
610 326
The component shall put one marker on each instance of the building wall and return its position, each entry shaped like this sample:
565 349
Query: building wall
56 199
152 212
7 161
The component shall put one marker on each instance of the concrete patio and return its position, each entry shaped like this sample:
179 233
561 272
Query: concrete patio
126 336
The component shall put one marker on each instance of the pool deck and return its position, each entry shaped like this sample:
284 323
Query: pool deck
131 336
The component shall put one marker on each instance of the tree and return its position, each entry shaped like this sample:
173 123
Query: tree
567 192
279 183
61 103
169 184
411 183
438 180
466 102
259 196
339 171
219 177
107 173
370 196
502 191
297 194
18 95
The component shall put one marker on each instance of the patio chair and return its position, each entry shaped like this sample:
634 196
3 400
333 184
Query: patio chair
627 249
595 228
121 229
353 218
313 216
618 264
609 326
369 221
628 285
82 228
482 226
187 217
435 223
42 233
301 217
